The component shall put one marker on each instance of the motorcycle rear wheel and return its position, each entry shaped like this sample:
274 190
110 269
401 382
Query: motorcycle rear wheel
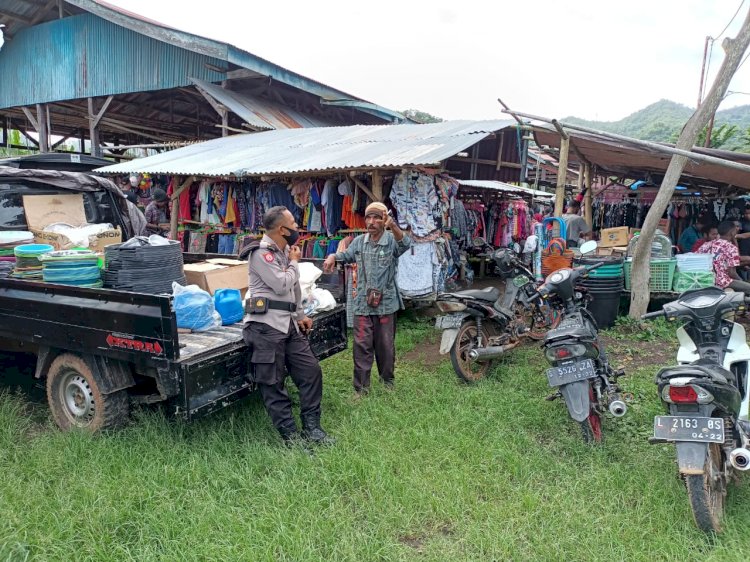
467 370
707 492
591 427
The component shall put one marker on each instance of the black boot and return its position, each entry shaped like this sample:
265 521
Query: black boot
289 435
312 431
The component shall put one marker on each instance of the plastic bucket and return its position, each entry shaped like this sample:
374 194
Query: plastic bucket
604 307
228 303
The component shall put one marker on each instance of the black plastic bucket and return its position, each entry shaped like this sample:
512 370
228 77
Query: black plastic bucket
604 307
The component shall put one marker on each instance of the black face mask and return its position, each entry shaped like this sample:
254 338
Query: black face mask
292 237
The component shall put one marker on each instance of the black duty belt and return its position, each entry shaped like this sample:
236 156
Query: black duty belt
261 305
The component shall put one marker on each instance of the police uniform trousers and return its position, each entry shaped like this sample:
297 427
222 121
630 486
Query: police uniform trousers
274 354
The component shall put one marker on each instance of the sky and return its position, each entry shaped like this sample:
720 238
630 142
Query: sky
595 59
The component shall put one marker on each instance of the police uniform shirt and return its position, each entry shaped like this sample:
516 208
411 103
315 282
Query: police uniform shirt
274 276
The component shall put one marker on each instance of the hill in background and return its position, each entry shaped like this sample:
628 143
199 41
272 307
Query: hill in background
663 120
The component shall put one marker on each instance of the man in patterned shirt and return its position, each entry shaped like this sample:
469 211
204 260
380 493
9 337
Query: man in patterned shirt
157 213
376 255
726 258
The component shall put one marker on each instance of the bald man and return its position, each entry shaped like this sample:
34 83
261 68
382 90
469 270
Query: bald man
377 297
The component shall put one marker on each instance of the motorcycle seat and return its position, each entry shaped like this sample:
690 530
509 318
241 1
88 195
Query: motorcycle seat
700 368
490 294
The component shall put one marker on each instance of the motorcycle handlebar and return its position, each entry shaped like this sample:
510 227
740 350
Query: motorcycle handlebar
651 315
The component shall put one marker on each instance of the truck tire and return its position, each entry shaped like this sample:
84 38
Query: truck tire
75 399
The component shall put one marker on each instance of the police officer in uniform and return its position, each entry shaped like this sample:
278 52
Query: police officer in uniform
275 330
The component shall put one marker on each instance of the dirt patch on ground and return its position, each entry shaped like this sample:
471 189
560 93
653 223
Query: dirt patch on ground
634 354
417 540
427 352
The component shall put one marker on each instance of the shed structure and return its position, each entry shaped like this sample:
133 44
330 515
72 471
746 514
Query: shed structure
87 70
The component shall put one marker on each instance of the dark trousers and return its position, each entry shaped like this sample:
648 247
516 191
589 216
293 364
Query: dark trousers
274 354
374 335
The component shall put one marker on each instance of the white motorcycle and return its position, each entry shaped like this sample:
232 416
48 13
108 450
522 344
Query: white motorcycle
707 398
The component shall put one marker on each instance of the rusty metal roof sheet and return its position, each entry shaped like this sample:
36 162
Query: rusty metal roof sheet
634 161
292 151
506 187
259 113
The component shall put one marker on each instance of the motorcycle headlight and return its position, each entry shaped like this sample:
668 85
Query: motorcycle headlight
451 306
563 352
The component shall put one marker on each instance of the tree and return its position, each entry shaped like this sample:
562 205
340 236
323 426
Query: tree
734 49
421 116
720 135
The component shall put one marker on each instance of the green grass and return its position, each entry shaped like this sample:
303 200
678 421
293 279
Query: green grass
434 471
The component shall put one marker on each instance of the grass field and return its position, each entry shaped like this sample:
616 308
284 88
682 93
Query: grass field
434 471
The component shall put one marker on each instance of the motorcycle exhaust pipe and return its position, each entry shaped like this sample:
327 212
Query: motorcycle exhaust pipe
740 459
618 408
488 353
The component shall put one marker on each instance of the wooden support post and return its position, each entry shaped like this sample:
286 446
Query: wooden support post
175 206
562 175
587 199
41 119
377 186
95 149
362 186
500 152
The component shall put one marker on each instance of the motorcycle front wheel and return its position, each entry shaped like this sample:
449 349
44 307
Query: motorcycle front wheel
539 323
467 370
707 492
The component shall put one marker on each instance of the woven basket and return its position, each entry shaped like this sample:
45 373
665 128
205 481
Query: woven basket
551 262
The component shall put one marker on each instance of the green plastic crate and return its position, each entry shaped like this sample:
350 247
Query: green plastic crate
661 275
688 280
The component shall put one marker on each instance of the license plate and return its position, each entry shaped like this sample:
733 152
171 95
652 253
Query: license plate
447 322
566 374
684 428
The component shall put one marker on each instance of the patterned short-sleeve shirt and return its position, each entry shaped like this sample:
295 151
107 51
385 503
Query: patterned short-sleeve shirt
726 255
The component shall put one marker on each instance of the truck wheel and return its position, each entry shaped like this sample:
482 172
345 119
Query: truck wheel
75 399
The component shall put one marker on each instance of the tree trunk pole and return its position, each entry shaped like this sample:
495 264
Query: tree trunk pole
562 176
734 49
587 199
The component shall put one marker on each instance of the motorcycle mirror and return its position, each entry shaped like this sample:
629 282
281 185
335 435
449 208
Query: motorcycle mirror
516 247
588 247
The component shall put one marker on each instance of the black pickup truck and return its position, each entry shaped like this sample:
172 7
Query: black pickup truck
102 350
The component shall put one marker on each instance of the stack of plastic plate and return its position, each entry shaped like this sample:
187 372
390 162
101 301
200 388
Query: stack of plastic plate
9 239
144 269
28 266
72 267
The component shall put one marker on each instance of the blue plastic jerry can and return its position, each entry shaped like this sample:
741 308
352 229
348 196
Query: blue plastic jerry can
228 303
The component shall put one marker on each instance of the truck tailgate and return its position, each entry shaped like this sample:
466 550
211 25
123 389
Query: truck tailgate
214 364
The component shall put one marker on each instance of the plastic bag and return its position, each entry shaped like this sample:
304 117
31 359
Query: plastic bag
308 275
324 298
194 308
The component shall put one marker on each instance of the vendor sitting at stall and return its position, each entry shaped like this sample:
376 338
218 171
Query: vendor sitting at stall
726 258
691 234
157 213
710 232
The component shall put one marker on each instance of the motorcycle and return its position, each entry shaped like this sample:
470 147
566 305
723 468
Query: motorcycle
707 397
580 371
481 325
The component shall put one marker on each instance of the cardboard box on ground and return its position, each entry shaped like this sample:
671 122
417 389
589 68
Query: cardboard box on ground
44 210
218 273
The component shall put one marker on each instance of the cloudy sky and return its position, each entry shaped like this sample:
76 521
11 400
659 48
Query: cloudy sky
596 59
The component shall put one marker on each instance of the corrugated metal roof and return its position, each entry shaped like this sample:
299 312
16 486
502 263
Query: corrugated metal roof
292 151
257 112
71 58
502 186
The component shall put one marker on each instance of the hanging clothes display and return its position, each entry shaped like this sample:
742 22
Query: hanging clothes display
416 201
